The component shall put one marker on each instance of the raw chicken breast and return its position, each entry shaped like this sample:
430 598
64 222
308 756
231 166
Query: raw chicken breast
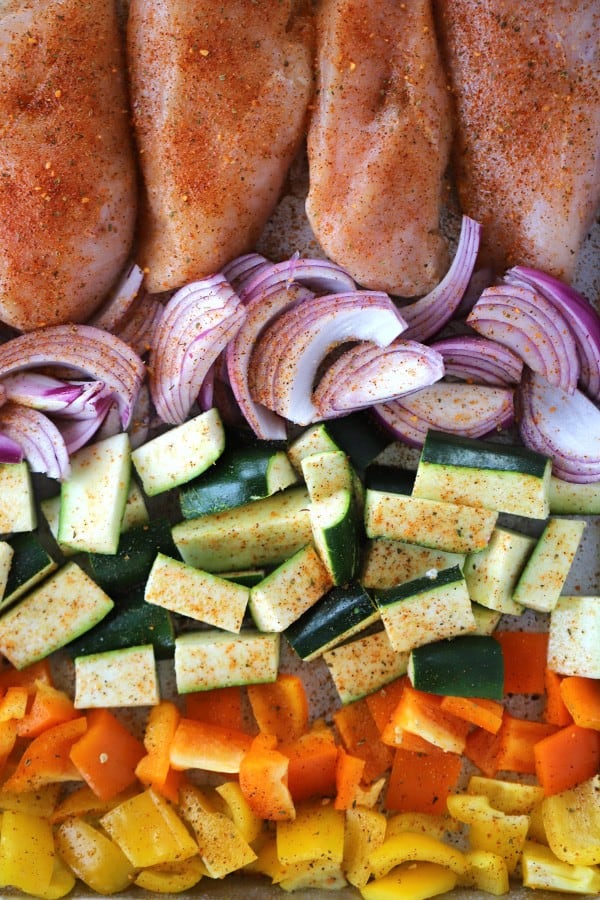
68 185
379 142
220 93
526 79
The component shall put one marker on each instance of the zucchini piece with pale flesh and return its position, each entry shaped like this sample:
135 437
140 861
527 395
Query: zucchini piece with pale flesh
574 636
31 563
17 499
504 477
569 498
213 659
333 512
6 555
365 665
93 498
386 562
426 609
117 678
547 568
119 572
466 666
315 439
492 573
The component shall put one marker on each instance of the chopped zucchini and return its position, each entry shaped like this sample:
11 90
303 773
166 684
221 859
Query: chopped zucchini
180 454
486 619
569 498
362 666
31 563
236 478
333 513
466 666
131 564
54 613
492 573
430 523
426 609
338 616
17 501
198 595
390 479
315 439
6 555
124 677
211 659
387 562
94 496
574 640
502 477
261 533
546 571
360 437
287 592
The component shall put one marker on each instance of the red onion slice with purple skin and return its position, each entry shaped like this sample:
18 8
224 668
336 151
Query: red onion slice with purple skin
243 268
52 396
139 326
260 312
563 426
42 443
77 432
581 316
114 310
84 349
367 374
475 358
10 450
469 410
320 275
304 335
425 317
531 327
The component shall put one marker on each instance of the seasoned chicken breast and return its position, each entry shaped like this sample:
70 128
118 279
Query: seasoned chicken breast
220 94
68 177
526 79
379 142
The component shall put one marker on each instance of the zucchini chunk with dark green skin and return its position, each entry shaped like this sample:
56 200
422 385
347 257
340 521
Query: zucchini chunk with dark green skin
465 666
360 437
340 614
240 475
30 564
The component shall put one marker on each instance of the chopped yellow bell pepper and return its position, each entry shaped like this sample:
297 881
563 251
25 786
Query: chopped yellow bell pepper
536 830
85 802
238 809
542 869
40 802
490 829
510 797
317 833
223 849
324 875
26 852
420 822
413 847
411 881
172 878
487 872
93 857
267 862
148 830
364 830
61 883
572 823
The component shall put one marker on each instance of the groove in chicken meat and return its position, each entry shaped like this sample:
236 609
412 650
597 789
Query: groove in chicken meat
68 175
220 95
526 81
379 143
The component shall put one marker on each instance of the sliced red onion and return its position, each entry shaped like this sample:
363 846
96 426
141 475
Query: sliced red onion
241 269
303 336
206 395
320 275
84 349
196 325
367 374
138 328
527 323
563 426
77 432
42 443
478 359
10 450
260 312
114 310
469 410
51 395
583 320
425 317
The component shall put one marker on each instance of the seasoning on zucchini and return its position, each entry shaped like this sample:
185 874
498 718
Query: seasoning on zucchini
465 666
17 499
30 564
546 571
212 659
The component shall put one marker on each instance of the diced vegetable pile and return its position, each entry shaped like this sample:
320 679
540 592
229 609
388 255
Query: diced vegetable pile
195 560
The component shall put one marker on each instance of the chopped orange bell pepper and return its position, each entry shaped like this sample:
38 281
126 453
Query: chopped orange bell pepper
383 702
313 760
154 768
47 758
421 714
525 654
49 707
360 737
200 745
581 696
422 782
263 777
106 755
14 703
566 758
280 707
555 710
484 713
517 739
220 706
27 677
348 773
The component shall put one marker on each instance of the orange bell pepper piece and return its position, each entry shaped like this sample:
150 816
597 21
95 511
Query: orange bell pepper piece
220 706
348 774
8 738
312 764
555 711
47 758
481 748
27 677
14 703
566 758
200 745
107 754
263 778
421 714
383 702
479 711
360 737
422 782
154 768
49 707
581 696
518 738
525 654
280 707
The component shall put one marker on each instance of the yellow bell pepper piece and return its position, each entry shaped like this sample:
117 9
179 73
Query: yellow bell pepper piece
421 823
542 869
416 881
368 795
40 802
61 883
172 878
364 830
324 875
238 809
148 830
412 847
510 797
26 852
93 857
536 830
490 829
84 802
487 872
317 833
223 849
267 862
572 823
